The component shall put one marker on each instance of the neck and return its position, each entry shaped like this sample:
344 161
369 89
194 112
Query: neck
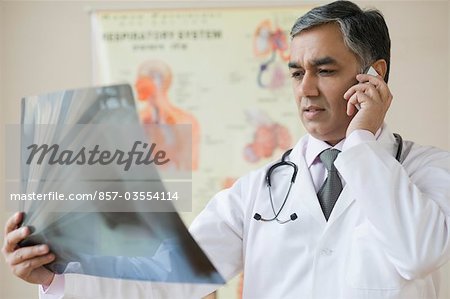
333 142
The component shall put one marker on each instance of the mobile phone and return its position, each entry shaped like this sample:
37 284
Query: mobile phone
372 71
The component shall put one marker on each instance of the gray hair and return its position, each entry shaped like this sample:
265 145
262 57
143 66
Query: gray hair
365 32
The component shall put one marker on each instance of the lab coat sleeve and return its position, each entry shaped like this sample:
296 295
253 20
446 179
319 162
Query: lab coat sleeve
407 206
55 290
218 229
76 286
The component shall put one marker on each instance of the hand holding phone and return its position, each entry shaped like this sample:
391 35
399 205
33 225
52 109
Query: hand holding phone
368 102
370 71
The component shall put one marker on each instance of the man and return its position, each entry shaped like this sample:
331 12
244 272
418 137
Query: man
359 225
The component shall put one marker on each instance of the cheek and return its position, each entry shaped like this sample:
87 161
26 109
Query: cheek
295 89
336 97
297 102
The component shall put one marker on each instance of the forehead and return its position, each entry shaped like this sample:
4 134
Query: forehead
319 42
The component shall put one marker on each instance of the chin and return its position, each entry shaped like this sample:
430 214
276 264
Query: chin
328 138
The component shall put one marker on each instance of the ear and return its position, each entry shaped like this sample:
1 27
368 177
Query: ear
381 67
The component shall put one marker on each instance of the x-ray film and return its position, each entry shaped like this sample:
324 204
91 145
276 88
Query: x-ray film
138 242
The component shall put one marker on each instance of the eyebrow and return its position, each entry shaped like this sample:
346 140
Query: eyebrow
316 62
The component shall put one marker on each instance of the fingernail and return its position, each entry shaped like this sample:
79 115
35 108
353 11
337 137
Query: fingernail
43 248
24 231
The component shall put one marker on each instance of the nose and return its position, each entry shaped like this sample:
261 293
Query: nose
308 86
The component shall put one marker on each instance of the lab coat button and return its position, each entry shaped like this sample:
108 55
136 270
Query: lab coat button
326 252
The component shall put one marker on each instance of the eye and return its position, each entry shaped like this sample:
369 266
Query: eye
298 75
326 72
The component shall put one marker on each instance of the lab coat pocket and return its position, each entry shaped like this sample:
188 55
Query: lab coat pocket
368 265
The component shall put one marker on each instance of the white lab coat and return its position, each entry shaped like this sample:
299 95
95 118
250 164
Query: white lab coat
387 235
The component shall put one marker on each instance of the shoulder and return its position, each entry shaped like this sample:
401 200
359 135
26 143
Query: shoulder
419 156
429 168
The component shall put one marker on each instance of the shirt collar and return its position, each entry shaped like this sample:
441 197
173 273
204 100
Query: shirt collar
316 146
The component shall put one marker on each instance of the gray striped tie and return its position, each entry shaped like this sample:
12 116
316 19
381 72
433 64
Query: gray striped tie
332 187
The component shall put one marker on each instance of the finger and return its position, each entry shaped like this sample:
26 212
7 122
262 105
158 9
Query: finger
349 92
378 82
358 98
13 222
26 253
24 269
370 90
363 87
375 80
353 104
14 237
351 109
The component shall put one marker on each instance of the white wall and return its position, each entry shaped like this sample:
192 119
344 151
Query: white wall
46 46
420 72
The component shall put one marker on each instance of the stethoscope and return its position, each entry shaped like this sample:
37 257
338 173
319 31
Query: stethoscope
283 162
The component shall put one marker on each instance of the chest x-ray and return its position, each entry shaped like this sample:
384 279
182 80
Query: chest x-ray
86 237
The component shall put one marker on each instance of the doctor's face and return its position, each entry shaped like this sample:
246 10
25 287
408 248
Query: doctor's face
322 70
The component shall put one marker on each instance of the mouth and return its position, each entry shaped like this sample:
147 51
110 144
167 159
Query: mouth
312 112
313 109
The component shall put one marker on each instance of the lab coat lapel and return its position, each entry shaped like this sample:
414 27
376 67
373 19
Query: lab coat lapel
303 188
343 202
